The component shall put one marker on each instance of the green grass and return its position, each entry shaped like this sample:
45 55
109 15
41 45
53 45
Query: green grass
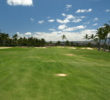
28 74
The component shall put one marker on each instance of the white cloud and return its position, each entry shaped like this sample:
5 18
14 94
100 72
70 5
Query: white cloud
62 27
77 20
82 17
70 17
51 20
65 21
28 33
20 2
107 10
17 33
32 19
68 6
63 14
37 33
95 24
52 29
95 19
83 10
41 21
75 28
87 22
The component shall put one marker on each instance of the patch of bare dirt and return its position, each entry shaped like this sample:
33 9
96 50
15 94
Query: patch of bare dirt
90 48
5 47
41 47
69 54
71 48
61 74
83 48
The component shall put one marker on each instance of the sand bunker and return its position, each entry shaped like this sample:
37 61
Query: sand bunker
83 48
71 48
63 75
90 48
40 47
5 47
69 54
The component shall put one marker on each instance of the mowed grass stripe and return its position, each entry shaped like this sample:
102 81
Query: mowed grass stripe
28 74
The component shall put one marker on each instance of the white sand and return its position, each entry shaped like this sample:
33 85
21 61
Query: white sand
40 47
71 48
69 54
83 48
63 75
90 48
5 47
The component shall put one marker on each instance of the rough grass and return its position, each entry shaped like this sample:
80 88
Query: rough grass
29 74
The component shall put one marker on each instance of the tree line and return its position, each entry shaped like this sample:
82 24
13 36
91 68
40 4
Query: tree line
102 37
5 40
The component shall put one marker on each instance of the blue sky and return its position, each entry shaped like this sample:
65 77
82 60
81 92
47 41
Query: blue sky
50 19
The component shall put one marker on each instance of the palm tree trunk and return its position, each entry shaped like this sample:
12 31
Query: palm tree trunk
109 45
99 46
3 42
86 42
104 49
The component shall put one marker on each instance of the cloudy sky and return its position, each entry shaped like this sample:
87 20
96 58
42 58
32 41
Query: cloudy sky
50 19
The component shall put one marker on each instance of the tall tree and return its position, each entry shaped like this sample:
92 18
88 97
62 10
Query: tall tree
58 43
86 37
92 37
67 43
107 27
99 34
3 37
63 38
15 39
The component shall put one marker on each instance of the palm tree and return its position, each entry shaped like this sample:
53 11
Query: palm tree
63 37
67 43
20 40
15 38
105 34
42 42
58 43
92 37
3 37
107 27
86 37
101 36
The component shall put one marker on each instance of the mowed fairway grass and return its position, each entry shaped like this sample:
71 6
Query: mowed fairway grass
29 74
